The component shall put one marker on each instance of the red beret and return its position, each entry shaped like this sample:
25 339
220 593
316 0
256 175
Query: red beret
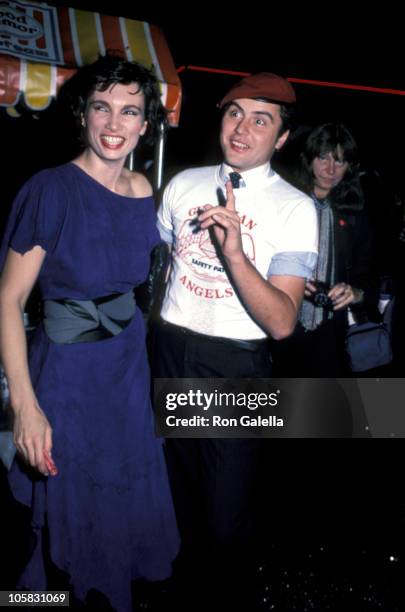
262 85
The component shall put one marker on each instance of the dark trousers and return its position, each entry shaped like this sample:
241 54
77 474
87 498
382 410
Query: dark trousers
312 354
212 480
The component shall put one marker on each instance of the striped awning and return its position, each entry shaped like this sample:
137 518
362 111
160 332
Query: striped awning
41 46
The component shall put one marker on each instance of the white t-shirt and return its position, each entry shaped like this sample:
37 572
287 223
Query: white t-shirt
279 236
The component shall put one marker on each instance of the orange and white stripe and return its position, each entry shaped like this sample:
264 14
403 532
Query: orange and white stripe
84 36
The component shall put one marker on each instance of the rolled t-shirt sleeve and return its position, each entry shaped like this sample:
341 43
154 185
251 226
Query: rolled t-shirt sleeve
297 246
293 263
37 215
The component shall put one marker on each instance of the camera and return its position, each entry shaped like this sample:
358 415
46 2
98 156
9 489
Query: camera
320 297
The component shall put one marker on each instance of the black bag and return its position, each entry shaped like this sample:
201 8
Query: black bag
369 344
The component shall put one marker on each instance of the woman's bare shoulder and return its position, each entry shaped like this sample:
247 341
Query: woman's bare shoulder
139 184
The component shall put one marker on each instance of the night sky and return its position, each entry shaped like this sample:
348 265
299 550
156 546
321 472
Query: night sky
327 43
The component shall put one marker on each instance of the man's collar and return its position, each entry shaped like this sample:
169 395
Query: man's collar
250 178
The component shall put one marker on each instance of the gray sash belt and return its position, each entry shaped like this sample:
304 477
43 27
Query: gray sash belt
70 321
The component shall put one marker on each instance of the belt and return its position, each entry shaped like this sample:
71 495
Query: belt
70 321
246 345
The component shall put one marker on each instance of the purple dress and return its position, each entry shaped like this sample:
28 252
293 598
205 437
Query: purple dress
109 510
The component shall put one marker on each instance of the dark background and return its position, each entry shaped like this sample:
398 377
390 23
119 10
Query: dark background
329 43
326 44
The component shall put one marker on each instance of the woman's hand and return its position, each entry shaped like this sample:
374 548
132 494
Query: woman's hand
310 288
33 438
342 295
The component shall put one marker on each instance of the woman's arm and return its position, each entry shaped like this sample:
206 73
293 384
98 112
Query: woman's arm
32 432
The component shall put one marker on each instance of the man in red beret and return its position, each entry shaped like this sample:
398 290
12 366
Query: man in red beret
243 242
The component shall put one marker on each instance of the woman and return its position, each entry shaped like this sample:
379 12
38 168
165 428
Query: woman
329 172
96 480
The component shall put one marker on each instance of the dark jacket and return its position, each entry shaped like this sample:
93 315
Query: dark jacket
321 352
355 259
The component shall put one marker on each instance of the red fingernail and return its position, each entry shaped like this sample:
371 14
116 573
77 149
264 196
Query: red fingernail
53 470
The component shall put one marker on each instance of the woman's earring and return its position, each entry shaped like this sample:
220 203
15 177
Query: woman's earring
83 121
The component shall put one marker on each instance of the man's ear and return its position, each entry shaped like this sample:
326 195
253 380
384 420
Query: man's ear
281 140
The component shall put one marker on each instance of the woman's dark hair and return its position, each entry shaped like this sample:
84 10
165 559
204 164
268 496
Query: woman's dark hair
109 70
326 138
